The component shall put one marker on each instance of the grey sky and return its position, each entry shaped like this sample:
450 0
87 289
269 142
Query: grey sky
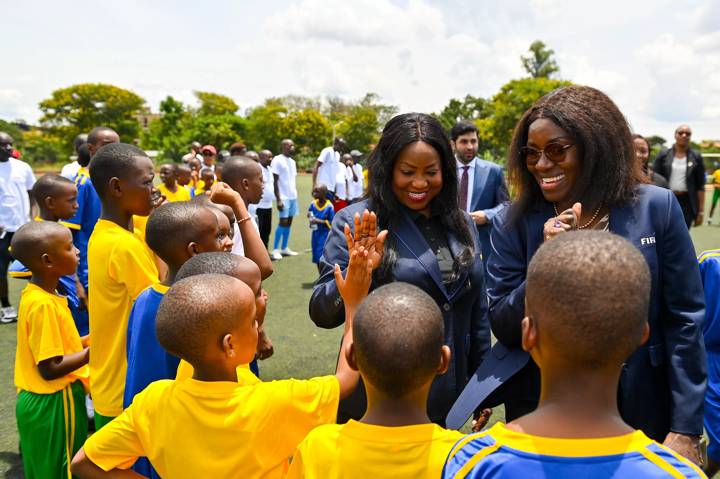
659 60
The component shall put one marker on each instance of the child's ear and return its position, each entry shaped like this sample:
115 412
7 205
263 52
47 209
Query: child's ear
228 346
245 183
192 249
46 260
114 187
48 202
445 356
350 356
529 333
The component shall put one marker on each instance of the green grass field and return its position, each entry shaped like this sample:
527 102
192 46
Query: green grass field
301 349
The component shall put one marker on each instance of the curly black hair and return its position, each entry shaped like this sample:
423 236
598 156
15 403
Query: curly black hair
609 172
398 133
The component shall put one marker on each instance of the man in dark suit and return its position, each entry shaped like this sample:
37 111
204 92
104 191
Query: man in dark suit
482 191
684 169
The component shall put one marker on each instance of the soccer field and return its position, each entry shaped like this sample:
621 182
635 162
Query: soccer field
301 349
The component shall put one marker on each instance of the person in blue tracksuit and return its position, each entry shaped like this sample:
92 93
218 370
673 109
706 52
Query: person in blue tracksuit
431 243
572 165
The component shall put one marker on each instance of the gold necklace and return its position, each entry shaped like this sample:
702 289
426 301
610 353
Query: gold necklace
581 227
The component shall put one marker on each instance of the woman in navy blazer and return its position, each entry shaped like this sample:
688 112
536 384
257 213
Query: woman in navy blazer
573 166
413 191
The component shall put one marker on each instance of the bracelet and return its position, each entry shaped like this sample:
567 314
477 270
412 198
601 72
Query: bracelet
243 220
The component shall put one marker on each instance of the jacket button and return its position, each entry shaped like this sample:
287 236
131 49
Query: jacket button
446 306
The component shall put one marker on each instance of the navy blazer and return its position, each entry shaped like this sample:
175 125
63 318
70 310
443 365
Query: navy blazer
464 307
695 171
663 383
489 194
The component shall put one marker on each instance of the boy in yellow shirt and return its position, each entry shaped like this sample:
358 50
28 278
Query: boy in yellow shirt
169 187
120 267
398 349
50 361
211 425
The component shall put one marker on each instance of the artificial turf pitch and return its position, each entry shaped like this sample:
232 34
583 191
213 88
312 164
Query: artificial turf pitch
302 350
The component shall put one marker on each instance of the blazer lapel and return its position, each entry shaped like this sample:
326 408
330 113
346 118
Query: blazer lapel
456 248
479 181
410 236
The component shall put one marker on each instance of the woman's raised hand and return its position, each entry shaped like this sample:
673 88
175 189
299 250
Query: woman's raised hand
565 221
366 236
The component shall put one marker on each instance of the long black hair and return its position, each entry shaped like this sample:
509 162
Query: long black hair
609 171
398 133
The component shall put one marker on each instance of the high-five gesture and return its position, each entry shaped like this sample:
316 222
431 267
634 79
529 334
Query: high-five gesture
367 236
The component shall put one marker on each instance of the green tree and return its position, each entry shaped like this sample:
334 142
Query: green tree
539 61
168 134
361 123
38 147
310 131
215 104
266 125
507 107
79 108
470 108
218 130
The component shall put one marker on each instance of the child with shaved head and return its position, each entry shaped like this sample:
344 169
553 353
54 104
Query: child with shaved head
587 297
175 232
398 348
211 425
51 370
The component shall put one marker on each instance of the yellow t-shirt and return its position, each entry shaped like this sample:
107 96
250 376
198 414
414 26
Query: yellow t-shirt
181 194
45 330
716 177
244 374
216 429
357 450
120 267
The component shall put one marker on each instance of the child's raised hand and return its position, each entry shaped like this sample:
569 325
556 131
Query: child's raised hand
358 276
222 194
367 237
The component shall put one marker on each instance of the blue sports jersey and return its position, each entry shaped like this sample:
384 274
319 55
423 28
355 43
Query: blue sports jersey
320 231
502 453
710 273
147 361
83 223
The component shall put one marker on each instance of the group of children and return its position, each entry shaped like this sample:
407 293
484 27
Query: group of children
175 322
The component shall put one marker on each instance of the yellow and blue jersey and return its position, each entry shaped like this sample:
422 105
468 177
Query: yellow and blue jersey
502 453
83 223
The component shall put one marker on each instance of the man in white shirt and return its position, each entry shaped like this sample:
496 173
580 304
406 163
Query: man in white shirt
195 147
284 173
482 190
16 181
263 210
327 165
70 170
356 186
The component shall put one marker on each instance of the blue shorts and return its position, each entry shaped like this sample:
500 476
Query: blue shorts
290 209
712 405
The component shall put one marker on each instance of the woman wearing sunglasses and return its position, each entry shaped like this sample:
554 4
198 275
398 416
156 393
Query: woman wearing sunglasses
572 164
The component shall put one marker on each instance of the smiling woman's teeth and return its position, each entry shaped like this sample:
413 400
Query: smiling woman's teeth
554 179
417 196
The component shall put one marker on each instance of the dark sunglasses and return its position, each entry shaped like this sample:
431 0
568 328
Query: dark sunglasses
684 133
207 153
554 152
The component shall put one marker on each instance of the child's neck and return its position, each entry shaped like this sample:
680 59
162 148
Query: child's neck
213 373
576 404
46 215
171 186
170 278
46 281
408 410
115 214
321 201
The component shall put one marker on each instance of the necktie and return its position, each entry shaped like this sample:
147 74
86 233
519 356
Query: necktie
463 194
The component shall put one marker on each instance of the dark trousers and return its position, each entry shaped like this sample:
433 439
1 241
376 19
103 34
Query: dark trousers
264 216
686 207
